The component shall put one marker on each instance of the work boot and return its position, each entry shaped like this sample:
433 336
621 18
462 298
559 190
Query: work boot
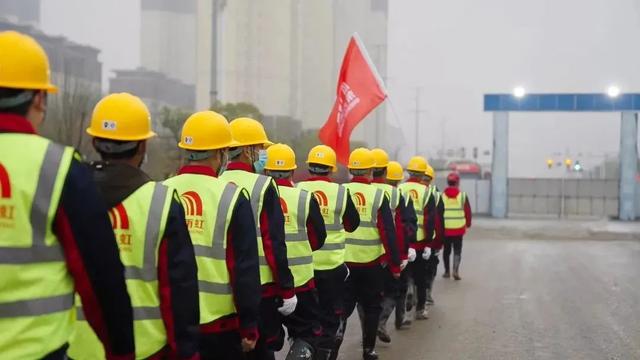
383 335
422 314
446 275
369 354
456 266
322 354
403 325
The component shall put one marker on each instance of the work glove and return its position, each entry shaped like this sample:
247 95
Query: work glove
426 253
412 255
348 272
403 264
288 306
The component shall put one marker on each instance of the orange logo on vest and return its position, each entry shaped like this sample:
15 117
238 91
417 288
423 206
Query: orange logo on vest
323 201
361 203
285 210
193 209
120 225
414 195
7 208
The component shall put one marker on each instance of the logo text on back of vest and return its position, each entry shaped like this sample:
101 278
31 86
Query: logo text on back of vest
120 225
192 203
285 211
7 207
361 203
323 201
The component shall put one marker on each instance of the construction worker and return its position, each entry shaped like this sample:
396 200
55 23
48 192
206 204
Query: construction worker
436 244
366 248
220 221
248 158
149 223
424 206
55 234
393 293
340 217
457 219
304 233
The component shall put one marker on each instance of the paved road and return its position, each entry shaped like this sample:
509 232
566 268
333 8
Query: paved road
528 299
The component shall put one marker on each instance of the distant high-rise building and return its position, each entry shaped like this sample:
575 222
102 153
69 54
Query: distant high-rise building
23 11
168 38
284 56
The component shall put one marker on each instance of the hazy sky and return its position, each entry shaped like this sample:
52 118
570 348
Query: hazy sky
456 51
459 50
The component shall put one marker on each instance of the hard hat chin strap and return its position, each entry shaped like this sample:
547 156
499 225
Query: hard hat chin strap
21 98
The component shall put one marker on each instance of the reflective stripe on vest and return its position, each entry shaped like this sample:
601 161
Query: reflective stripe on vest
454 217
257 186
364 245
36 290
209 203
392 193
149 206
419 194
332 200
295 207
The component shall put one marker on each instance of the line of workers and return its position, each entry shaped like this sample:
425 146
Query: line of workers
100 261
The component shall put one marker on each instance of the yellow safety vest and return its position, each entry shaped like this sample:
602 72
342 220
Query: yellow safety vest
333 202
209 204
364 245
437 195
454 211
36 289
419 194
138 223
295 207
256 185
392 193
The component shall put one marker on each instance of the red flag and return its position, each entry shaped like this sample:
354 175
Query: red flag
359 91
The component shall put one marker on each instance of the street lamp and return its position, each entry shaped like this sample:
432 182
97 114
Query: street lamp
613 91
519 92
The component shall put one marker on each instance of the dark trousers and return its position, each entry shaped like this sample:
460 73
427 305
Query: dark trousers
420 275
365 286
330 285
270 327
449 242
221 346
432 270
395 294
304 322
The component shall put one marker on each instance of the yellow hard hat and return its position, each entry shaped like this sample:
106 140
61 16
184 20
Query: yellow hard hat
381 157
247 131
430 172
394 171
280 157
122 117
361 159
205 130
323 155
23 63
417 164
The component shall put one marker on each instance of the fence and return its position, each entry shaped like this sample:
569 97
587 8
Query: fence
558 197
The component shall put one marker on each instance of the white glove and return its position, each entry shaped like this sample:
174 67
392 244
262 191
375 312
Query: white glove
426 253
288 305
403 264
412 255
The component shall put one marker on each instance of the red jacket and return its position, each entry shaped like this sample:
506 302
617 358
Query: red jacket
452 192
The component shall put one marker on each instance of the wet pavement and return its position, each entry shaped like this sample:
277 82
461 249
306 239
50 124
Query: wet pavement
527 299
